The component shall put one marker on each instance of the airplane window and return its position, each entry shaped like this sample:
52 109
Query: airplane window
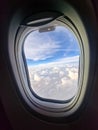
50 58
52 55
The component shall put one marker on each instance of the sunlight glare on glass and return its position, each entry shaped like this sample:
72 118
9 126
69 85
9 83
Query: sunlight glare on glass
52 59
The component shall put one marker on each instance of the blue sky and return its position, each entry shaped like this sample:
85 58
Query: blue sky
47 47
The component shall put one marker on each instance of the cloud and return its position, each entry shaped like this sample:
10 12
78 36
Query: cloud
59 62
58 82
69 59
58 43
37 47
37 78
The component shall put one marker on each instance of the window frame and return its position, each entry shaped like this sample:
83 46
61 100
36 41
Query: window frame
73 13
44 105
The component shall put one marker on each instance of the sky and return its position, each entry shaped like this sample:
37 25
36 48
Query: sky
50 46
53 61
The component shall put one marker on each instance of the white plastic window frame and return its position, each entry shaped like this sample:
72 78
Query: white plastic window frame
46 105
71 16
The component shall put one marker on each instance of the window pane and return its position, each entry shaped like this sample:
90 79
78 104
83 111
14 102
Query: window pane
52 56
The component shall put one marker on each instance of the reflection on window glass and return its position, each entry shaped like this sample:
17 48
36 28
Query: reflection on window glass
52 57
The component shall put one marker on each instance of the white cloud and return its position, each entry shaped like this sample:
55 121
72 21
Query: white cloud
40 48
61 73
37 78
55 82
64 81
69 60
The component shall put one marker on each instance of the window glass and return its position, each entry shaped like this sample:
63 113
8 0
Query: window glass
52 56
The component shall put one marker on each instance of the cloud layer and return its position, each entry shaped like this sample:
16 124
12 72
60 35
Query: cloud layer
58 81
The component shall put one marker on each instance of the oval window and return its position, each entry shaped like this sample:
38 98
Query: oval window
52 55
